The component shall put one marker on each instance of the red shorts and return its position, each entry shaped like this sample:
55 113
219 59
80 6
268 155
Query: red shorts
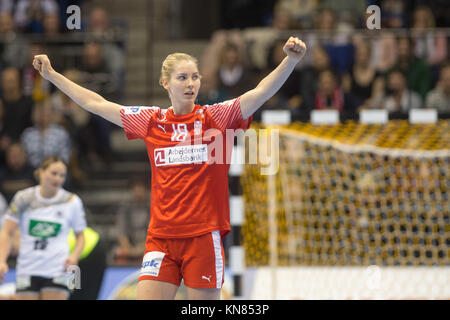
199 261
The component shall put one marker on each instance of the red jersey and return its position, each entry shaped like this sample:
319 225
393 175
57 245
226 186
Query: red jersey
190 158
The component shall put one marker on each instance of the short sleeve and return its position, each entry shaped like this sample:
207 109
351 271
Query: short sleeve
228 115
136 121
3 206
16 207
78 223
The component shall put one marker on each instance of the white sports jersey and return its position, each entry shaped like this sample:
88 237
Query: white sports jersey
44 225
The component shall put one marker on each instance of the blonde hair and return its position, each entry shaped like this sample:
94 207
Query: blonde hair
171 61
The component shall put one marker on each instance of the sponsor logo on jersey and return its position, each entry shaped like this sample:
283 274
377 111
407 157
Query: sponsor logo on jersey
43 229
132 110
162 128
181 155
152 263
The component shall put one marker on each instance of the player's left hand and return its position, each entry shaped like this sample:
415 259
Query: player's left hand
295 48
70 261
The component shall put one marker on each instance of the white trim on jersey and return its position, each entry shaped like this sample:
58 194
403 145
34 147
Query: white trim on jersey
37 192
219 259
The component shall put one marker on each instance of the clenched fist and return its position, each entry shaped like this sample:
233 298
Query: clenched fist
295 48
42 64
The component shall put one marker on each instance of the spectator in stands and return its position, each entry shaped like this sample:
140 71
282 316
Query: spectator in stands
363 80
29 14
332 30
288 97
282 18
400 98
384 51
77 124
210 59
32 85
330 95
14 50
393 13
45 138
439 97
99 24
6 6
17 107
97 74
417 72
347 12
51 25
302 11
209 92
74 120
131 222
17 173
335 37
64 113
97 77
100 29
234 78
430 45
310 74
325 20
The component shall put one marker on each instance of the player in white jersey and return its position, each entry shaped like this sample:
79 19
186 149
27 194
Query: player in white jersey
44 214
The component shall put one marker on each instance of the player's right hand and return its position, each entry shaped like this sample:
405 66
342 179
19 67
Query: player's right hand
3 270
42 64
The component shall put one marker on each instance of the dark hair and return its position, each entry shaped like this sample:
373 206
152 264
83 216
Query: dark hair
333 73
398 70
229 46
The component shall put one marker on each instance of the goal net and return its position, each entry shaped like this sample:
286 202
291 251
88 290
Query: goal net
355 208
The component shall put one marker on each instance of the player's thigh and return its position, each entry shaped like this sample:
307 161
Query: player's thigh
54 294
27 288
156 290
27 296
203 293
204 262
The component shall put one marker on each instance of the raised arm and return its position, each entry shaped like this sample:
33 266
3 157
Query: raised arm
85 98
255 98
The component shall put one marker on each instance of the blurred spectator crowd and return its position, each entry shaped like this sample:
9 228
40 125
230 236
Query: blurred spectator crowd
36 119
348 67
402 65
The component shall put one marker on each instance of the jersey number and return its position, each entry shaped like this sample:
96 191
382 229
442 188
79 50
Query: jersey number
40 244
180 132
